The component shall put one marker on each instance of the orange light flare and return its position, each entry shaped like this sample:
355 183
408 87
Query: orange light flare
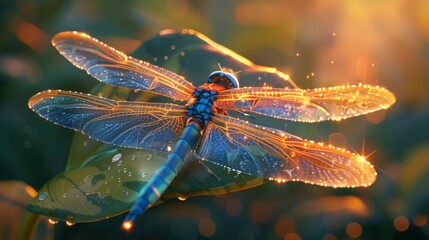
30 191
127 226
29 34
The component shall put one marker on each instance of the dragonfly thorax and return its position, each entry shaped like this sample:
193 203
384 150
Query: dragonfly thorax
201 107
226 79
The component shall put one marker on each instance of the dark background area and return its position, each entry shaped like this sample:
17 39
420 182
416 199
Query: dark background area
318 43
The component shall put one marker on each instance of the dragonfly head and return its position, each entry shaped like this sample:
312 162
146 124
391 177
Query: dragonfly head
226 79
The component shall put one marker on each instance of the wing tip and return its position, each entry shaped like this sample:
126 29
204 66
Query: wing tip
35 99
41 96
67 35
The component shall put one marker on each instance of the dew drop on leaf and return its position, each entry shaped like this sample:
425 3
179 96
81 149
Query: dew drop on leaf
182 198
52 221
70 223
117 157
42 196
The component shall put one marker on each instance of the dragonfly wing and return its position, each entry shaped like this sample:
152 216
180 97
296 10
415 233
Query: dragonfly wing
335 103
280 156
111 66
150 126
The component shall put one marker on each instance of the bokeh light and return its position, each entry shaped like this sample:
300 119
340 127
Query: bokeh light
292 236
354 230
401 223
233 207
206 227
420 220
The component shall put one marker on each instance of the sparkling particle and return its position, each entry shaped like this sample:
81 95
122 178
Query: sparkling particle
117 157
42 196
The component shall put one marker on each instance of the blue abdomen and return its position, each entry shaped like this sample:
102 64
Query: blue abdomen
154 188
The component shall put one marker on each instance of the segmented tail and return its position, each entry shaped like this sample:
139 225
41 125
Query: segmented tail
156 186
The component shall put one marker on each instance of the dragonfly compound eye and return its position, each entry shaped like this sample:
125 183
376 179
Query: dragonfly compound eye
226 79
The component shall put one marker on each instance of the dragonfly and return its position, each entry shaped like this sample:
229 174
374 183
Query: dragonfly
198 122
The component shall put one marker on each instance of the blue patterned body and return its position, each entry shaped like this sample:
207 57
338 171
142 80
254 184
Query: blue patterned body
199 112
200 108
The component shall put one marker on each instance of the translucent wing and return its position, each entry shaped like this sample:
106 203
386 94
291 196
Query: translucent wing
114 67
312 105
127 124
280 156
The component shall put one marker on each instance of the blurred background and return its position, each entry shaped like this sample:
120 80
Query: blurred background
318 43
